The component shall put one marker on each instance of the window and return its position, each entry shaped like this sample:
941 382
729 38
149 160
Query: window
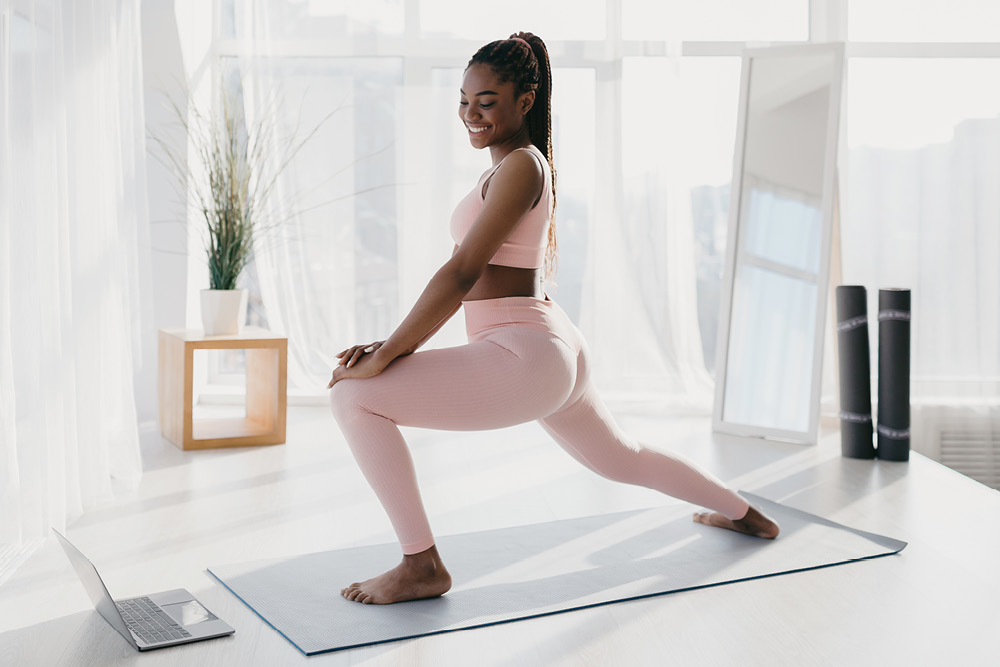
687 110
396 160
716 20
924 170
320 20
552 20
925 21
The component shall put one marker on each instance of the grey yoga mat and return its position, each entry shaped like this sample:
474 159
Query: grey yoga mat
517 573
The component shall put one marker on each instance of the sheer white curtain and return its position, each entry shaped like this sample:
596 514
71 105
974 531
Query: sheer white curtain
326 261
72 221
394 161
655 230
928 219
923 213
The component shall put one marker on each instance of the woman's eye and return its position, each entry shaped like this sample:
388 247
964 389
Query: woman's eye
463 103
487 105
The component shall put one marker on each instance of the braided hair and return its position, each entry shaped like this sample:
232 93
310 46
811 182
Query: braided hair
524 60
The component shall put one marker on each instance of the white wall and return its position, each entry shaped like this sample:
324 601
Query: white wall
163 74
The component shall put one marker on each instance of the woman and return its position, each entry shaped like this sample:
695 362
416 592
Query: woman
524 361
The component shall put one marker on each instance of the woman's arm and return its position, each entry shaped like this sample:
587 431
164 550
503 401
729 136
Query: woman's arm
437 327
430 334
512 191
350 356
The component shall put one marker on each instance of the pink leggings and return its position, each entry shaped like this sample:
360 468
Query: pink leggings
524 361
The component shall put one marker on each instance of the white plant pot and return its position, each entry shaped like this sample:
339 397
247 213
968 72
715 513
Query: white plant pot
223 311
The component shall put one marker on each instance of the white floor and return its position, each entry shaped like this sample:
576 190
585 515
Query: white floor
936 602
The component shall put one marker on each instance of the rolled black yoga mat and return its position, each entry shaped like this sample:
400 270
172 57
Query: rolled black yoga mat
894 374
855 373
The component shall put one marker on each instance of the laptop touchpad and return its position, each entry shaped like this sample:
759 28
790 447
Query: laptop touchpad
188 613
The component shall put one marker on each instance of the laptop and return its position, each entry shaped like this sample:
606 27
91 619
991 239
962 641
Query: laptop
150 621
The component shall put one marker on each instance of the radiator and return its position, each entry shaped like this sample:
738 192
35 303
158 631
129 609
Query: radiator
964 436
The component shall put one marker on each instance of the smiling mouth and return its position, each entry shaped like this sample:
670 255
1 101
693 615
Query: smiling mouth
477 130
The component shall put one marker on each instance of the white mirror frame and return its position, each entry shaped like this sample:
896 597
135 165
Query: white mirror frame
829 206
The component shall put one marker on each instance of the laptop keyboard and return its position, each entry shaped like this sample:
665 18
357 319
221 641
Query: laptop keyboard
149 622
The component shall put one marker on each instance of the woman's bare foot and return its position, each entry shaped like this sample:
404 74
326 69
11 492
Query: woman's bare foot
755 523
419 576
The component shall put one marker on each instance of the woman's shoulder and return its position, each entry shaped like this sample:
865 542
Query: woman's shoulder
528 159
531 150
521 168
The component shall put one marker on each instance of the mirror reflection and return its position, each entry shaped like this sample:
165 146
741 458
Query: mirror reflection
772 354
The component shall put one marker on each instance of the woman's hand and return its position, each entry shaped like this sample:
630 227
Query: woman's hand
352 355
357 362
360 361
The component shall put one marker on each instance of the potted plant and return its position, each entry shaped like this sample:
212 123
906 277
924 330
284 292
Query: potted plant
233 173
228 202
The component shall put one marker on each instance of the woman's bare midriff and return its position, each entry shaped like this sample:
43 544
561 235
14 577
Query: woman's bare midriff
500 281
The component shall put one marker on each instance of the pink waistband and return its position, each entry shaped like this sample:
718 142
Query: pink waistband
510 310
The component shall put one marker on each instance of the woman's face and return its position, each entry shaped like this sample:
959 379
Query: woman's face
491 110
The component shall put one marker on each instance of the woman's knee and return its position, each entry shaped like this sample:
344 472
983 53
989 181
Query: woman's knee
345 398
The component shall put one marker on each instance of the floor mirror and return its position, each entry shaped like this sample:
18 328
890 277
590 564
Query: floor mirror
781 219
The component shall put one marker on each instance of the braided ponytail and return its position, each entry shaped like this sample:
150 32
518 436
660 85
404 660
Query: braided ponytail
524 60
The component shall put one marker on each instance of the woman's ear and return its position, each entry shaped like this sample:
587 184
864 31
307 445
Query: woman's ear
527 101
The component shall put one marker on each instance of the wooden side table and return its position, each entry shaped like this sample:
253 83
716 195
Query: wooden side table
267 384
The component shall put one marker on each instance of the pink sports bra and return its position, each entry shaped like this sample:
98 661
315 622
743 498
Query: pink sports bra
525 247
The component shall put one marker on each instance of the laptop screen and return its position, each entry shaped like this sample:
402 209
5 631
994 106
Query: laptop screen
96 589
